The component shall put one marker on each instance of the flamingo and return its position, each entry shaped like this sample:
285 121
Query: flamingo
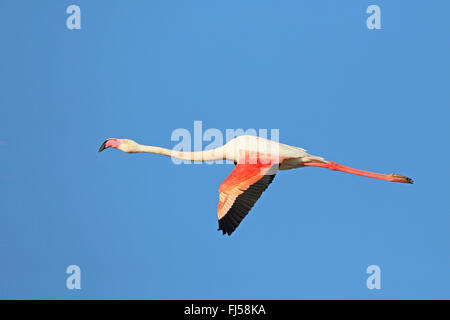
257 161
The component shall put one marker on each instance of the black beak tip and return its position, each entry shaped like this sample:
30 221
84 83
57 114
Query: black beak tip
103 146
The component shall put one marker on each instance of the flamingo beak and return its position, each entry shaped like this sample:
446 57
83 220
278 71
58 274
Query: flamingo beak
103 146
111 142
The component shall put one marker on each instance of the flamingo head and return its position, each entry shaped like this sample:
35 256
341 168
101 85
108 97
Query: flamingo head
125 145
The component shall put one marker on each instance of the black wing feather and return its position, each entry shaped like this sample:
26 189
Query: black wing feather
243 204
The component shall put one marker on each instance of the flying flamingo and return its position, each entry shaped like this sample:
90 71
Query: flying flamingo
256 160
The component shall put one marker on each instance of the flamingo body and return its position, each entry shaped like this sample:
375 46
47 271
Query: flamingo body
257 161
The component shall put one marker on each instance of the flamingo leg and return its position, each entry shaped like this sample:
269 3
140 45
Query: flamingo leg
339 167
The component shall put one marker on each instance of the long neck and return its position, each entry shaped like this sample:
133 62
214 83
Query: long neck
209 155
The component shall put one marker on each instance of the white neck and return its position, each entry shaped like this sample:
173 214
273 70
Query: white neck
209 155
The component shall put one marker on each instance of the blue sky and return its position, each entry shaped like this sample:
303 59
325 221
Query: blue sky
141 227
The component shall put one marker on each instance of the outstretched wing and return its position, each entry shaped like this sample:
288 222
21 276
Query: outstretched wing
239 192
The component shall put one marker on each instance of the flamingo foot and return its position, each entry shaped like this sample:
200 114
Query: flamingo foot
400 178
